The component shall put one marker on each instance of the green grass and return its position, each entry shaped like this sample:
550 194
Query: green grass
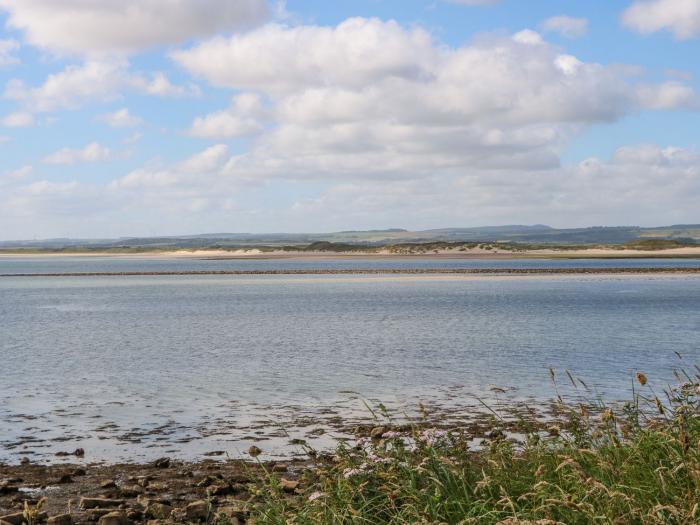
636 465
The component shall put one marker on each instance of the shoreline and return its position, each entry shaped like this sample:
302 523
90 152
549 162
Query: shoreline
496 272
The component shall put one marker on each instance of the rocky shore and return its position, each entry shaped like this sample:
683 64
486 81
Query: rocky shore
163 491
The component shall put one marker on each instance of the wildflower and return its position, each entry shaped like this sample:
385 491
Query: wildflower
432 437
391 435
641 378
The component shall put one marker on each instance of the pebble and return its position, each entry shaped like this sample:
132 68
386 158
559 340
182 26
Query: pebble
288 485
61 519
158 511
114 518
100 503
377 432
197 511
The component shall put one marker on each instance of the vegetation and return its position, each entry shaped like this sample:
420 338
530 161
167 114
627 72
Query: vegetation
636 465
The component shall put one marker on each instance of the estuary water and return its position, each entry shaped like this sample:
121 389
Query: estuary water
136 367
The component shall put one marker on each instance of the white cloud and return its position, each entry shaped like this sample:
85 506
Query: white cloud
566 26
92 81
669 95
681 17
244 117
7 50
160 86
121 118
277 58
21 173
20 119
117 26
371 99
93 152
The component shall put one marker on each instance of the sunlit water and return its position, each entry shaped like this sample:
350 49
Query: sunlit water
132 368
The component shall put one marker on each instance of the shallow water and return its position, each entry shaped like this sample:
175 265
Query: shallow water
132 368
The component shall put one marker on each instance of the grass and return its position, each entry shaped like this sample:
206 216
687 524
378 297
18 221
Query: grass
639 464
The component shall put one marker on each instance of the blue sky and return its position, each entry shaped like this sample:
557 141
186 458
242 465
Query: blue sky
148 117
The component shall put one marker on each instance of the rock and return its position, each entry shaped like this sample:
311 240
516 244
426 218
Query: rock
109 484
79 452
197 511
79 472
61 519
162 463
96 514
65 478
100 503
130 491
158 511
6 488
18 518
377 432
157 486
24 461
205 482
236 510
221 489
254 451
114 518
289 485
134 515
280 468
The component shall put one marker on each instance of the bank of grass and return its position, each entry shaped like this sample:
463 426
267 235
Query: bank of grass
636 465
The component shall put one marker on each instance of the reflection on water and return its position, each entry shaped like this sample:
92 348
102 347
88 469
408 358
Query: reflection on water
135 367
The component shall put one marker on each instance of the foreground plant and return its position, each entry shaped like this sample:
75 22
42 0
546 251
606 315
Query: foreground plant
636 465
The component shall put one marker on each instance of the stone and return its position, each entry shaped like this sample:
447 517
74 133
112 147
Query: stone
130 491
24 461
6 488
377 432
109 484
100 503
289 485
79 452
159 511
96 514
61 519
279 467
220 489
18 518
114 518
79 472
65 478
197 511
162 463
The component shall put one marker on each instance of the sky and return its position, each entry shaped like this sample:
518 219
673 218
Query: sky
168 117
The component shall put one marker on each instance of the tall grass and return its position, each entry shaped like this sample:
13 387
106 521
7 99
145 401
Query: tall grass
639 464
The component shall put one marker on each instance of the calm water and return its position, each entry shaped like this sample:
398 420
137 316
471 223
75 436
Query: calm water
138 367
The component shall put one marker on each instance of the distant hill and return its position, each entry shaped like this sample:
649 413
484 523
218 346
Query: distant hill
538 233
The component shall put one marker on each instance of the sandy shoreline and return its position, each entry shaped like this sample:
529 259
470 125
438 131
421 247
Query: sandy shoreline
470 253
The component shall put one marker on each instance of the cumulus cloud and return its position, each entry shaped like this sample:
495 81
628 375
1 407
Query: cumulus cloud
119 26
92 81
681 17
244 117
370 99
93 152
121 118
19 119
7 52
566 26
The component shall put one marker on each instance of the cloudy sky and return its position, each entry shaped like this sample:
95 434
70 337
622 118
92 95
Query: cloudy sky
150 117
